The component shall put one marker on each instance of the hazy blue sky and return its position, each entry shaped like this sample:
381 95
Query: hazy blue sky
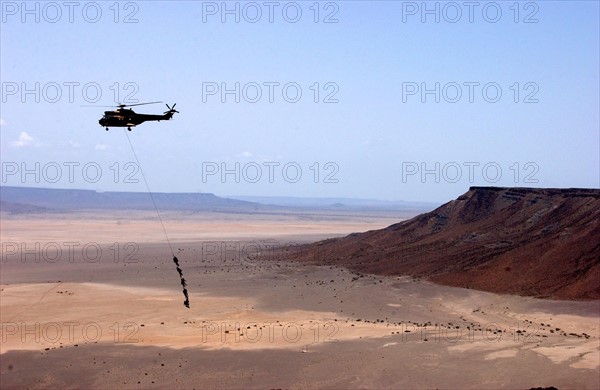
371 131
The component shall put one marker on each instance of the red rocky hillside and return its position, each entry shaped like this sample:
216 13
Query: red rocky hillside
525 241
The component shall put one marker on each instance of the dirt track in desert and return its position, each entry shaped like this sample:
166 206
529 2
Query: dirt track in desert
97 303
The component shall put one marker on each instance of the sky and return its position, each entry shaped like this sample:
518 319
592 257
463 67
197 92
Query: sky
389 100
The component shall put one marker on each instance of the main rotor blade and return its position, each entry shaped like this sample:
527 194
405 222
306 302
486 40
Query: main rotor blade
120 105
138 104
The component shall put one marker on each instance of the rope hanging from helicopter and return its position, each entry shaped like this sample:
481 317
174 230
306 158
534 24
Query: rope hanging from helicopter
186 302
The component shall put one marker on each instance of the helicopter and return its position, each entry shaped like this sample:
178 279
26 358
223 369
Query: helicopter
124 117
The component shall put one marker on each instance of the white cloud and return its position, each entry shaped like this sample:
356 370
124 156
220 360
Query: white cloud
74 144
258 158
24 140
101 147
2 122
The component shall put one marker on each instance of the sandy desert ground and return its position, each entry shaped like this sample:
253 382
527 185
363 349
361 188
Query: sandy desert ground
93 300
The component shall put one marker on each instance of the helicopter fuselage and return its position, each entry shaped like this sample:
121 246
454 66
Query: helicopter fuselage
128 118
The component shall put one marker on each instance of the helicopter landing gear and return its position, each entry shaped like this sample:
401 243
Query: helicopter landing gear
129 128
107 129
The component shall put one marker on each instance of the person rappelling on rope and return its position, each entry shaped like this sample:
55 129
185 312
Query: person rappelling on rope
186 303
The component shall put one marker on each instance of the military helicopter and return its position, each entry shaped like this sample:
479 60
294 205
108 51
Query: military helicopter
123 117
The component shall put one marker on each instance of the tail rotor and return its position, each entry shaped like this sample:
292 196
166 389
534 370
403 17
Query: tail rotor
172 109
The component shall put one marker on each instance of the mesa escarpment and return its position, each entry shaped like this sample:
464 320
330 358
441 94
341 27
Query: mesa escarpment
525 241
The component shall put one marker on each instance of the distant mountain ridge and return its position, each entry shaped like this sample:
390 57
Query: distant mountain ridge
526 241
23 199
31 200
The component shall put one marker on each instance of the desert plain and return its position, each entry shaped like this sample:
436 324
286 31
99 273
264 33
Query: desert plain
93 300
